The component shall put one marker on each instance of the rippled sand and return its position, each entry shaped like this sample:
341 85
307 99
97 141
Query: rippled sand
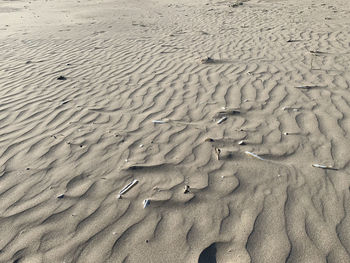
81 84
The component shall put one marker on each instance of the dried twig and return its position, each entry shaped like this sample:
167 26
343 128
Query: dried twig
221 120
254 155
324 167
128 187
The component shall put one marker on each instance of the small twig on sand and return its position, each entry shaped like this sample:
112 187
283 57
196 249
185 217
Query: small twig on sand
159 121
324 167
127 187
217 151
146 203
308 87
221 120
254 155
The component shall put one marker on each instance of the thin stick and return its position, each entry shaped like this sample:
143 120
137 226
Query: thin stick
128 187
324 167
221 120
254 155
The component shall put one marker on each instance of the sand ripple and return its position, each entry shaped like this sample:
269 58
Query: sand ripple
67 147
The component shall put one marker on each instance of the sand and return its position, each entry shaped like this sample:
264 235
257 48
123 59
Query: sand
228 165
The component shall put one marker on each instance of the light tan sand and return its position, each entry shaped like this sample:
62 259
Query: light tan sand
67 147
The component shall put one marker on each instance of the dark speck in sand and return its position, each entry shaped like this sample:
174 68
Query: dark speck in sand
207 60
61 78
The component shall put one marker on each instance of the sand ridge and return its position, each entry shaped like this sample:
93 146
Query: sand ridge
69 145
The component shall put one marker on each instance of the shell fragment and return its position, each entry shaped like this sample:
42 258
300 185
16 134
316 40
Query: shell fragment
159 121
254 155
324 166
128 187
146 203
221 120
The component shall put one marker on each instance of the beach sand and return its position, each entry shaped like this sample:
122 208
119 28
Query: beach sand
233 118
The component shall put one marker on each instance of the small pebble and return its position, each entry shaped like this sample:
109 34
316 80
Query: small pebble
207 60
217 151
187 189
61 78
146 203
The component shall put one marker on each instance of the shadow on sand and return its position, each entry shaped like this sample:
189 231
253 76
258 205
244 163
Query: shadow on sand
208 255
